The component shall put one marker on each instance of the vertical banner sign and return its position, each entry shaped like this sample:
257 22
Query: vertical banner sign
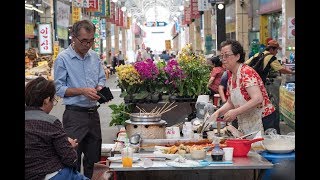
116 19
128 22
187 13
45 38
85 3
28 30
107 8
62 14
96 45
55 50
77 3
291 28
93 6
102 9
194 9
120 18
112 12
76 13
103 33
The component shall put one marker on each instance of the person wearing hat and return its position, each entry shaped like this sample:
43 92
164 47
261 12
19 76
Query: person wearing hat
272 49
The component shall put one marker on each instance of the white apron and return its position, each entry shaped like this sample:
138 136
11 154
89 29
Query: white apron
249 121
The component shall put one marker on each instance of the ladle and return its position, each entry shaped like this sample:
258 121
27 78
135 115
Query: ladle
135 139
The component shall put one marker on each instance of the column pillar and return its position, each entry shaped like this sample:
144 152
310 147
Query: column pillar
108 41
198 45
116 39
124 42
242 25
191 35
207 32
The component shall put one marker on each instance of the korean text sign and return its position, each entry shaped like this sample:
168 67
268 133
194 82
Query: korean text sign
45 39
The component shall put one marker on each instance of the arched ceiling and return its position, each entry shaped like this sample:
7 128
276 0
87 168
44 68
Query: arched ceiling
153 10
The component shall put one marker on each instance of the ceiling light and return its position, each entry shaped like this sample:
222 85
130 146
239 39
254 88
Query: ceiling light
114 1
220 6
129 14
29 8
123 8
28 5
181 8
38 5
39 11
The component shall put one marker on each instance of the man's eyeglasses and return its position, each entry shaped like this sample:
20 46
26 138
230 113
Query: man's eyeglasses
225 56
85 43
55 101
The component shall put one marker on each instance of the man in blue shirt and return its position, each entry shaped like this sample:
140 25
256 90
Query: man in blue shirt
79 75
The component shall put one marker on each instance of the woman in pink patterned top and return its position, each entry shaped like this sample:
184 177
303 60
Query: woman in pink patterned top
248 100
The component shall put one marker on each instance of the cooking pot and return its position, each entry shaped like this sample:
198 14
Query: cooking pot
145 117
279 143
241 146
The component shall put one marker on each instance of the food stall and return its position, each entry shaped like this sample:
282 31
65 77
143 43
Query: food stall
174 157
287 100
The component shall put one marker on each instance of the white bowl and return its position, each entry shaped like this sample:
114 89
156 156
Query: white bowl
198 154
279 143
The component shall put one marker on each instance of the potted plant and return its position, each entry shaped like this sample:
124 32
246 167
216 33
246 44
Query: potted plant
120 113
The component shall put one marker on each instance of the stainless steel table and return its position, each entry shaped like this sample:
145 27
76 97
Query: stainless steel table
242 168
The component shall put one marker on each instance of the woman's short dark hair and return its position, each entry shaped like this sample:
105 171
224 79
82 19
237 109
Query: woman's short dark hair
37 90
216 61
236 48
86 24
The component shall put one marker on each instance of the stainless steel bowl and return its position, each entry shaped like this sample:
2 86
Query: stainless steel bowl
279 143
144 117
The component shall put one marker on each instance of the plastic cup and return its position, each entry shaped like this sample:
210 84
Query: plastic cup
127 157
228 153
146 162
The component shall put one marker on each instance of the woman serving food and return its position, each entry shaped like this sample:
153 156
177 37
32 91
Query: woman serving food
248 100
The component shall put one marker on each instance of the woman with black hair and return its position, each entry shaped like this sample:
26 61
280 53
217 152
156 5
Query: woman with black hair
49 152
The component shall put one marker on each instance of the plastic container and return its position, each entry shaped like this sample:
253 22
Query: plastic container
217 153
277 160
241 146
127 156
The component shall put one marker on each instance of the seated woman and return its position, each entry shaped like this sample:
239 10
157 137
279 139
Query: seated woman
49 153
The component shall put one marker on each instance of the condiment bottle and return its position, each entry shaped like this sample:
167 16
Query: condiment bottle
217 153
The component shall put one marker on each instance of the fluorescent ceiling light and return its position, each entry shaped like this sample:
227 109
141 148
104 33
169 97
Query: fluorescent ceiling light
28 5
29 8
37 10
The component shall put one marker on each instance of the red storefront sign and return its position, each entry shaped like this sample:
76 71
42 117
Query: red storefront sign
194 9
112 12
93 6
187 15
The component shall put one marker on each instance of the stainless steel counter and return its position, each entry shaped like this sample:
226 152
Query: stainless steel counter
253 161
243 168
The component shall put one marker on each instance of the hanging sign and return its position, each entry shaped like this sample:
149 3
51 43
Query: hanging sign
45 38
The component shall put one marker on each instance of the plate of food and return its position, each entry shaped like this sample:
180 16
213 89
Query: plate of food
118 159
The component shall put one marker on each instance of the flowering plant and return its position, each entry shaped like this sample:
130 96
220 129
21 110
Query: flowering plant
175 75
148 72
129 78
197 72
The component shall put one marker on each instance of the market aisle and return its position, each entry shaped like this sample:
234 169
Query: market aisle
108 133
